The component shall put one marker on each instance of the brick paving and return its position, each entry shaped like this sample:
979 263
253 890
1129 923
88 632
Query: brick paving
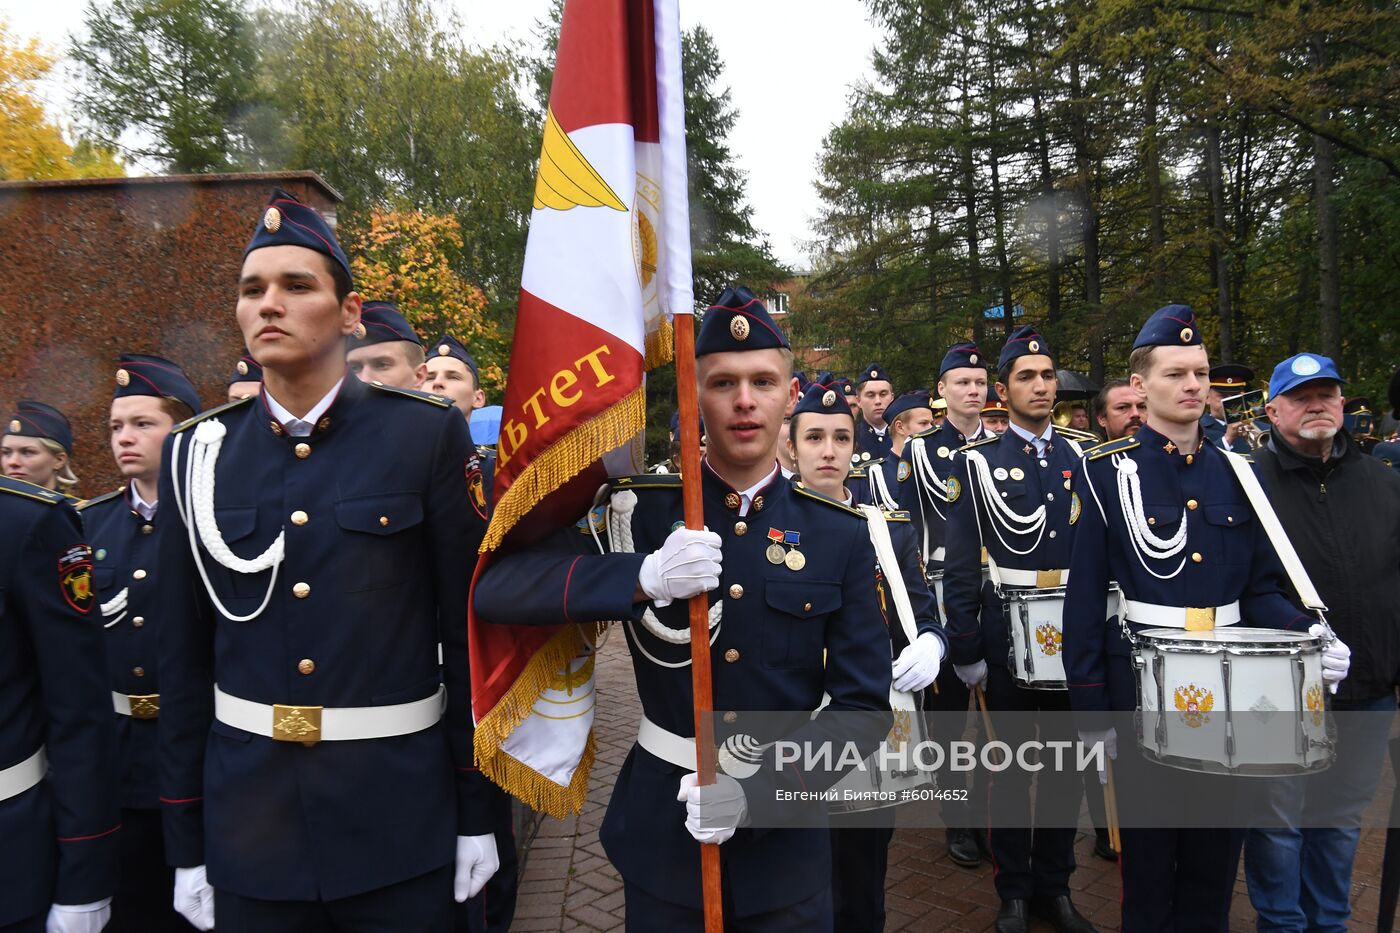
568 883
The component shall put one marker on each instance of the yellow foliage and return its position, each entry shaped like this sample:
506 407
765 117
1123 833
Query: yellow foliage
404 256
32 147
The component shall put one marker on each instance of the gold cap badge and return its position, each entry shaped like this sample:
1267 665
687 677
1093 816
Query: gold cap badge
360 331
444 349
242 368
874 373
272 220
1035 346
829 398
972 359
1186 335
123 378
16 427
739 327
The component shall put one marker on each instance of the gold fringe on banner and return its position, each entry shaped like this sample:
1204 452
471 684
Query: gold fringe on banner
565 459
547 669
660 345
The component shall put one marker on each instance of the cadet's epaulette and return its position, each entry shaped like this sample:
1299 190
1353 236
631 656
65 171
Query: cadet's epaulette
802 490
857 472
896 515
1074 434
980 442
929 433
97 500
644 481
1110 447
19 487
439 400
211 413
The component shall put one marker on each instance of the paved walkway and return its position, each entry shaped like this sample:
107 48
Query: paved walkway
568 883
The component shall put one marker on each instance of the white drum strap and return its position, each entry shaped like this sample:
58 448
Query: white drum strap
884 553
116 606
197 512
1144 541
1000 514
619 527
880 489
1264 510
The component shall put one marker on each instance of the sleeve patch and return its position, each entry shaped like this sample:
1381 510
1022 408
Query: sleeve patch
75 578
476 487
954 488
1075 507
902 473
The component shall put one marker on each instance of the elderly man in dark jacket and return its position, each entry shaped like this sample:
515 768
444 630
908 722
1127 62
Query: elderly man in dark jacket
1341 510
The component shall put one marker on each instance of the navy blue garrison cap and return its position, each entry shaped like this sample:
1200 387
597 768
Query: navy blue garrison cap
448 345
873 372
1172 326
285 221
381 322
35 419
823 399
246 369
919 398
738 321
143 374
1024 341
962 355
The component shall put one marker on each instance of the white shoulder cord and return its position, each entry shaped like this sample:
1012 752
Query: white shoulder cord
1145 542
1001 514
113 606
198 515
926 481
881 489
619 526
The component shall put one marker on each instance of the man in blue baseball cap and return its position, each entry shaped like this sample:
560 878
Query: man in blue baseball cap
1340 509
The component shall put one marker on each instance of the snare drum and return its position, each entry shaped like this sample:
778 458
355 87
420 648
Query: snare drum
868 787
1036 644
1235 700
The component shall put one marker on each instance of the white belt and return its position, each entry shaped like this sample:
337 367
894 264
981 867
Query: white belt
938 553
16 779
1039 579
666 745
1193 620
309 724
137 706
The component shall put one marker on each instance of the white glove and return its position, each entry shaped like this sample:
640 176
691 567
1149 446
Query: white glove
715 811
917 665
971 674
687 565
477 861
1109 738
194 899
1336 658
79 918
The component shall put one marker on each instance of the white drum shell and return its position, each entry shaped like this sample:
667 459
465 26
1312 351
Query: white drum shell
908 727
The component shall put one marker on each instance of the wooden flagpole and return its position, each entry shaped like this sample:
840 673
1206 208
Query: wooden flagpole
701 686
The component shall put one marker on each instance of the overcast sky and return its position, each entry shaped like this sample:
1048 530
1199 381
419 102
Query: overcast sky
789 63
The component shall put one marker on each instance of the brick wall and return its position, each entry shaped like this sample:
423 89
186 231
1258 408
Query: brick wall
92 268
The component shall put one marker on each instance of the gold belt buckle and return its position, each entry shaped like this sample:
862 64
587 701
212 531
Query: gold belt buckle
1200 620
984 557
1047 579
144 706
296 724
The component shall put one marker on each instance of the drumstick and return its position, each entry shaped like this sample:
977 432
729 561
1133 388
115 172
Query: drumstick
1110 801
986 717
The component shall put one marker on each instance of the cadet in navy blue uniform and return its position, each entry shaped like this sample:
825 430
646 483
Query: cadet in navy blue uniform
821 443
38 448
874 392
1226 380
451 372
909 414
795 582
1010 495
152 395
995 415
385 349
58 791
1194 542
924 468
246 378
314 754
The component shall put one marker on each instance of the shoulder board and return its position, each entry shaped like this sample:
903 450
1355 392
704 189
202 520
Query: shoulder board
218 409
1110 447
981 443
19 487
645 481
1074 434
98 500
857 472
438 400
895 515
824 500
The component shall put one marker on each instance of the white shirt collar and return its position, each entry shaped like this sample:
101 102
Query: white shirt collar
746 495
301 427
1039 442
146 510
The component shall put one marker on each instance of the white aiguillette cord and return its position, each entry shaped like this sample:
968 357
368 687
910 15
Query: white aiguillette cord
1292 564
884 553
